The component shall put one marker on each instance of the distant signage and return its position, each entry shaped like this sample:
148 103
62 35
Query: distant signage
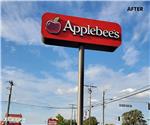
14 118
125 105
52 121
69 31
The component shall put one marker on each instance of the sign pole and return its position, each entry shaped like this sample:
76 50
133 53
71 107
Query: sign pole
80 86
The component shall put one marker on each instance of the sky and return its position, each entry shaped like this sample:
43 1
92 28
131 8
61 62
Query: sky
47 75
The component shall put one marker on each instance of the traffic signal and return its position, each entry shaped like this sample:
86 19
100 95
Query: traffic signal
148 106
118 118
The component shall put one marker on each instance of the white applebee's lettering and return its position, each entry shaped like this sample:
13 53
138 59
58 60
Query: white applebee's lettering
90 31
68 25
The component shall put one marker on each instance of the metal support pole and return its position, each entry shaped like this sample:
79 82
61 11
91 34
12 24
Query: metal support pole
9 100
103 107
80 86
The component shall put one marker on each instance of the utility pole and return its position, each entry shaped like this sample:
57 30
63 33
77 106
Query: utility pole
74 116
71 120
9 100
90 97
103 107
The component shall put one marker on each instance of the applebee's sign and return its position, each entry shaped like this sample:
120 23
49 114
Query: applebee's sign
72 31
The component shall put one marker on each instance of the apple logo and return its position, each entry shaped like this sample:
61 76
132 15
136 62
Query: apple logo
53 26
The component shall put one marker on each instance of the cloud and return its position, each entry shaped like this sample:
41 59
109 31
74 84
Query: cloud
22 27
141 29
36 90
18 31
46 90
99 74
20 23
143 95
117 15
63 91
96 73
115 81
71 76
18 26
63 64
94 100
32 88
132 90
35 52
137 38
127 90
131 56
135 27
66 61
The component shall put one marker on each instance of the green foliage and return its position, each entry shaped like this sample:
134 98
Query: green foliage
93 121
67 122
133 117
60 119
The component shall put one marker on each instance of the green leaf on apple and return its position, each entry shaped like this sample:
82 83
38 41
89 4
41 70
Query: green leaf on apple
56 19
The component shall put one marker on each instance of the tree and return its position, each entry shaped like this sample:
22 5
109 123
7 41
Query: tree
67 122
93 121
133 117
60 119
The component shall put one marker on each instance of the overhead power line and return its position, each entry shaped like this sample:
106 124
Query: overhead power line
40 106
144 87
114 100
136 101
123 97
